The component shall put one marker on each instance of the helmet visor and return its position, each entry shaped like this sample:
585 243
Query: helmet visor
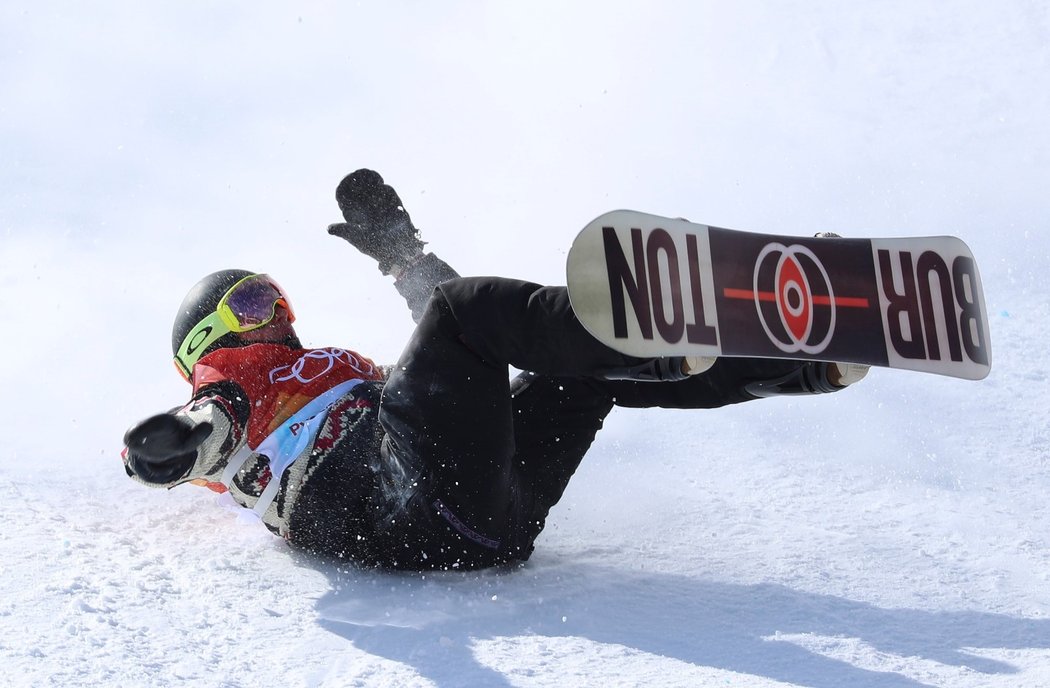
252 303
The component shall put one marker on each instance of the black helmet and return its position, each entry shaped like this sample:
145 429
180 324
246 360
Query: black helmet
219 307
200 303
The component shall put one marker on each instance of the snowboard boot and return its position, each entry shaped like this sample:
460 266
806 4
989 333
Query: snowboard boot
812 377
665 369
377 224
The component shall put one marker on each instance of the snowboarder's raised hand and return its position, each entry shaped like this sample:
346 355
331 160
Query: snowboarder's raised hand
164 446
376 222
366 200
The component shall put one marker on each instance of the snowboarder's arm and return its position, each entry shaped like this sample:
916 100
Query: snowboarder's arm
417 282
378 225
192 442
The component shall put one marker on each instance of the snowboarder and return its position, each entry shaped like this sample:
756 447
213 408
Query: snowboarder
440 461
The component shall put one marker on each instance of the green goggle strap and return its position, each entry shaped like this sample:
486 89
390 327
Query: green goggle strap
198 340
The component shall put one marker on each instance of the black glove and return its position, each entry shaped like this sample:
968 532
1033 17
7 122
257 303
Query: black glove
364 199
376 222
163 448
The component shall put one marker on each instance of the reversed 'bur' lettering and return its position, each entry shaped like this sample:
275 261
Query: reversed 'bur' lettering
933 302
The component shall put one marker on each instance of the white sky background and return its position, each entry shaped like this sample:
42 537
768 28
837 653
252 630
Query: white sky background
144 146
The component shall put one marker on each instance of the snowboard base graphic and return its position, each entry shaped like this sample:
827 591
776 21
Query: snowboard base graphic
652 286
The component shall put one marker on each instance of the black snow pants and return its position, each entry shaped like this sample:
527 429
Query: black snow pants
482 458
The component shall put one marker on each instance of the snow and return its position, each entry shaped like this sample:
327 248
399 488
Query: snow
893 535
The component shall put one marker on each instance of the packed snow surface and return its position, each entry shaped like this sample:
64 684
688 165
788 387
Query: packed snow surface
895 534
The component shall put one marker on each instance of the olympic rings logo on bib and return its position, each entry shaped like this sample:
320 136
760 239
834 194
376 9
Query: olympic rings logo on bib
317 363
784 281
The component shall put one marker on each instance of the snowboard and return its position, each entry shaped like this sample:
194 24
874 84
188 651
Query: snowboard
652 286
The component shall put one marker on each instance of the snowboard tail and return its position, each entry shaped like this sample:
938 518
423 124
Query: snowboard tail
652 286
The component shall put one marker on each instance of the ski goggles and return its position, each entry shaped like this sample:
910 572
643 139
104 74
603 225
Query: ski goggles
249 304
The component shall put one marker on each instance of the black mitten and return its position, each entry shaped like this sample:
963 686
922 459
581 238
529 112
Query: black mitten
376 222
364 198
163 448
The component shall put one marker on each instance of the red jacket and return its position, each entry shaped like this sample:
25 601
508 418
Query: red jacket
275 411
